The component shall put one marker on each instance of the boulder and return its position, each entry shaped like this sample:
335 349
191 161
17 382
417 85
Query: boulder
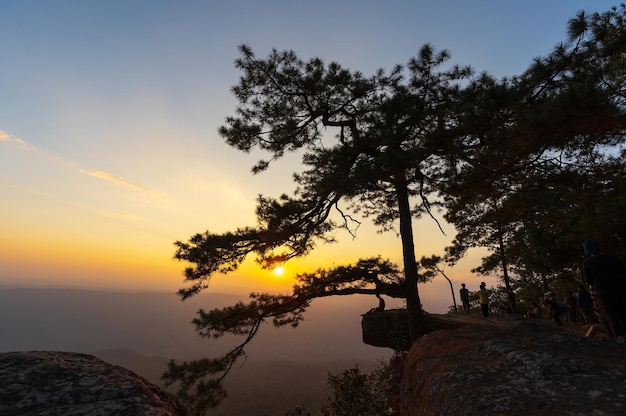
46 383
511 366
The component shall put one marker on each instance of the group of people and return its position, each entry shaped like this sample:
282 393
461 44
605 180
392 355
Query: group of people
577 307
605 276
483 297
600 296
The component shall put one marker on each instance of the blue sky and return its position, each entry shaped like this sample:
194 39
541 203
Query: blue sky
109 112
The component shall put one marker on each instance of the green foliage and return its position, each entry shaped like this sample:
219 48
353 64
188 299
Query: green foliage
356 393
360 394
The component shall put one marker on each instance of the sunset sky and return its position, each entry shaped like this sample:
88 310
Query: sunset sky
109 112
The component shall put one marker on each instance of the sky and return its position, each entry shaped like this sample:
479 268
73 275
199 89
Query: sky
109 111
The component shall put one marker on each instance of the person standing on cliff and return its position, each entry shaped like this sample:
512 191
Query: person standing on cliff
465 298
483 296
606 274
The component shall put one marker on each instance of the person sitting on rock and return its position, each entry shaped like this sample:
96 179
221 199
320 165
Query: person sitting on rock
381 304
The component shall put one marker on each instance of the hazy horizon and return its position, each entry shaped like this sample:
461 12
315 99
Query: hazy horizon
158 323
431 305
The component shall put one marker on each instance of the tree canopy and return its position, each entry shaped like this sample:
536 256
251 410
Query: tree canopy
549 170
524 166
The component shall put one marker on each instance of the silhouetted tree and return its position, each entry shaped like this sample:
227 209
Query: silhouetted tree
505 158
540 160
355 393
387 145
432 267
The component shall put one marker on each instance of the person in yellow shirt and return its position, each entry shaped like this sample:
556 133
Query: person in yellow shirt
483 296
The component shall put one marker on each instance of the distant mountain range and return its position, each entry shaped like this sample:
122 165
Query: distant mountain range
143 331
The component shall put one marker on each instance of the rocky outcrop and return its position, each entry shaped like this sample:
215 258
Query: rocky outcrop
47 383
512 366
390 328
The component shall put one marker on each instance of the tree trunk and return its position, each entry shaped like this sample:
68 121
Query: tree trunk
413 303
505 273
451 287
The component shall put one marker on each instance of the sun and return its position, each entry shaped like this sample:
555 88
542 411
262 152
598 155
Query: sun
279 271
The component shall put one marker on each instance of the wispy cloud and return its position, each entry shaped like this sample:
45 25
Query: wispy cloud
6 137
9 138
108 177
23 144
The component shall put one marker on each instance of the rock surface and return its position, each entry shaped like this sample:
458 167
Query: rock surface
512 366
45 383
389 328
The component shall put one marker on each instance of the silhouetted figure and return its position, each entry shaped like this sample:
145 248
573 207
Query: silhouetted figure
556 307
606 274
465 298
483 296
381 303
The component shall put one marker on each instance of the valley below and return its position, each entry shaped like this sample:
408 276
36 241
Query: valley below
142 332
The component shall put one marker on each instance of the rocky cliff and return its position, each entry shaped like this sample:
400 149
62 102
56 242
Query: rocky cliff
511 366
69 384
